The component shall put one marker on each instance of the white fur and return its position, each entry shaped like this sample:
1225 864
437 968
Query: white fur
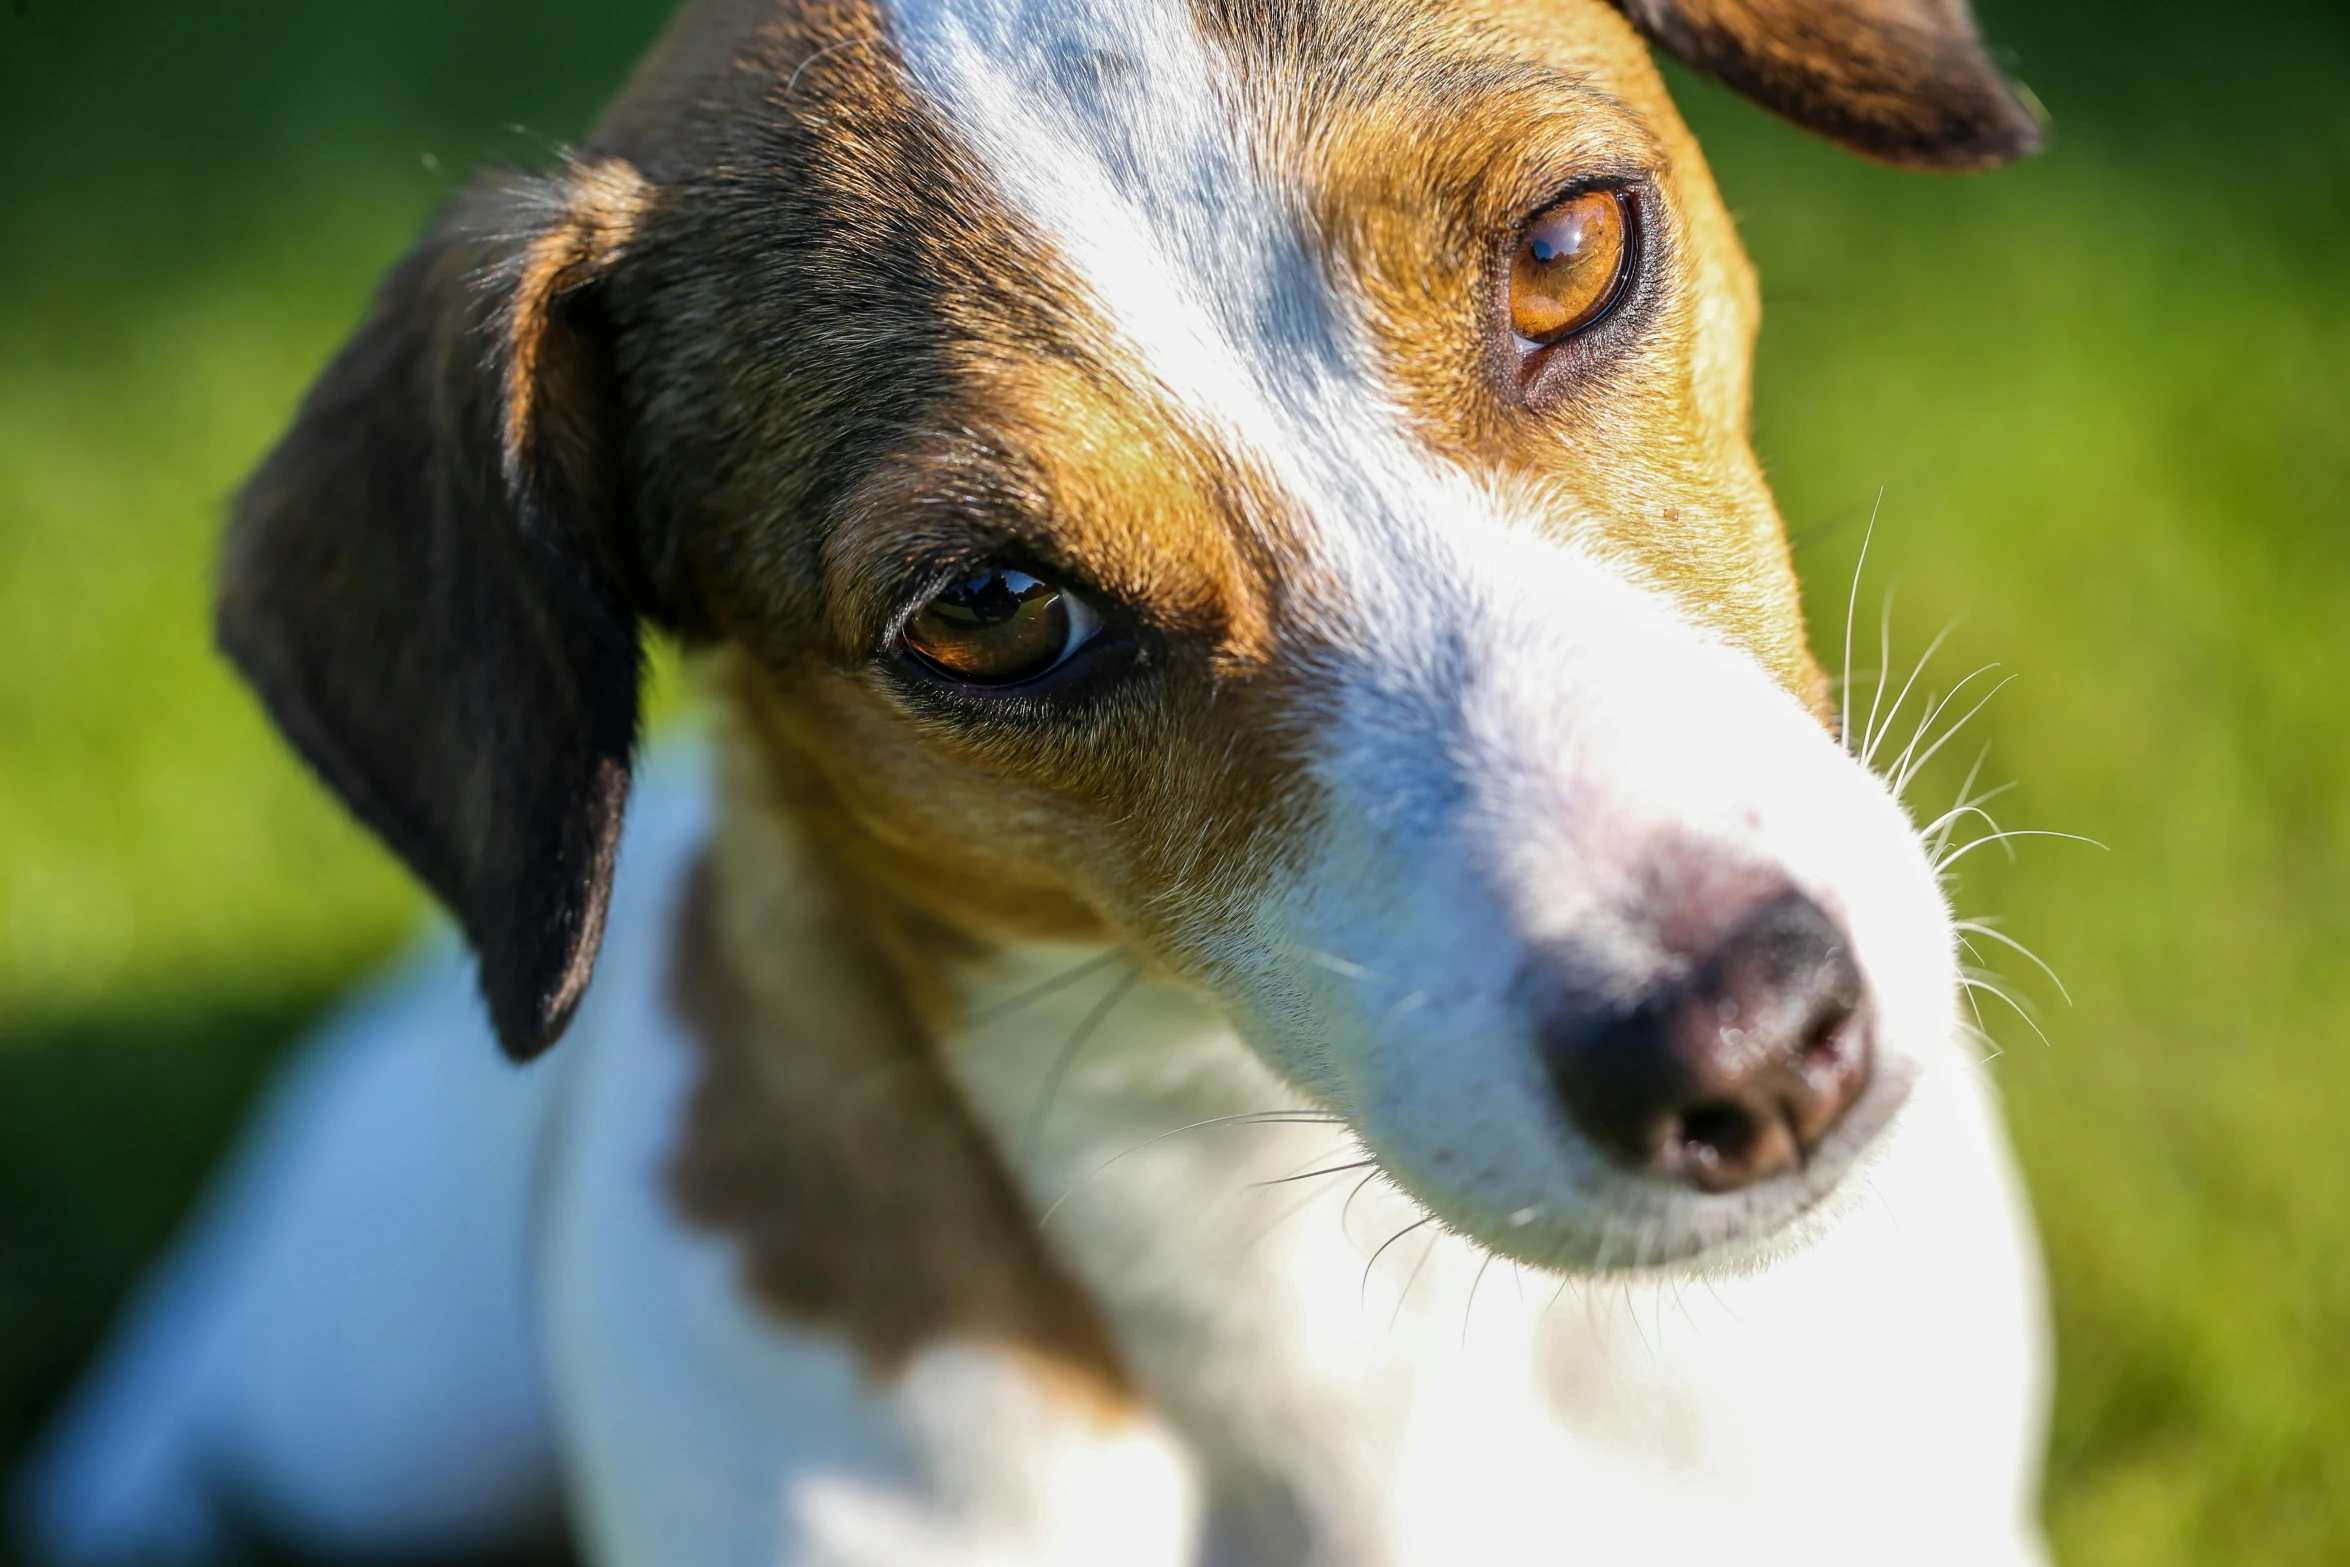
701 1431
1882 1385
1496 762
345 1344
1503 773
1517 729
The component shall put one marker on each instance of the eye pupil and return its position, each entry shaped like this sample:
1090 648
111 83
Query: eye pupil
1570 267
987 601
997 627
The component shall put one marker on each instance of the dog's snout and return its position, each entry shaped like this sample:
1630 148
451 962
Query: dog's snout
1737 1071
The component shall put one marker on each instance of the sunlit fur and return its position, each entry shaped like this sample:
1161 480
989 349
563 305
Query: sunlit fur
1113 1127
1489 690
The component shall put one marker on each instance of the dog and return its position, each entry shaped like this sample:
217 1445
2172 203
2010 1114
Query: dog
1270 953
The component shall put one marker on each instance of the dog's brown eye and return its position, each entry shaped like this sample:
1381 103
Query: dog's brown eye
1570 266
999 627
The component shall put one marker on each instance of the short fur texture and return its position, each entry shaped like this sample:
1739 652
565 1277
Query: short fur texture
1453 698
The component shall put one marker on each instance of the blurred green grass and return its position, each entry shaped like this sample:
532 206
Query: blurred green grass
2105 399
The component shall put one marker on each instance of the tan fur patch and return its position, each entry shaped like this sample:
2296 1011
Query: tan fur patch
1452 127
823 1135
602 200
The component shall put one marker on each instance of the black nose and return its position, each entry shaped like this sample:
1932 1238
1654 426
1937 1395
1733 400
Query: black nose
1736 1072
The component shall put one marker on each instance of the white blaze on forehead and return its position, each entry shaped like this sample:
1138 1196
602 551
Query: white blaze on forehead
1117 133
1111 129
1510 727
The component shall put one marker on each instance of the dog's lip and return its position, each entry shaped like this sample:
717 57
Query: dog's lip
1679 1226
1717 1224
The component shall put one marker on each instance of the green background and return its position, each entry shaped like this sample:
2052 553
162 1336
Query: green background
2105 398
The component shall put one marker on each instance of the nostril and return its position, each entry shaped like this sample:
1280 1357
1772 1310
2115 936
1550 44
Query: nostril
1718 1134
1737 1072
1725 1144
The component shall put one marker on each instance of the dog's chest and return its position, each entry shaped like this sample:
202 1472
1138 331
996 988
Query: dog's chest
1335 1375
1331 1354
1409 1398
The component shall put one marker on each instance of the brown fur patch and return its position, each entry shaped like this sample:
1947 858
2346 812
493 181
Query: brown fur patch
1906 81
431 584
825 1139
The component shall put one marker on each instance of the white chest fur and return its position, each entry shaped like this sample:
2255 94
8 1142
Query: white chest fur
1398 1397
1314 1394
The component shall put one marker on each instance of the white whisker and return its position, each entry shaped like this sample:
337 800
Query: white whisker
1979 980
1904 767
1884 675
1877 732
1910 769
1363 1296
1248 1118
1985 928
1937 832
1972 844
1851 604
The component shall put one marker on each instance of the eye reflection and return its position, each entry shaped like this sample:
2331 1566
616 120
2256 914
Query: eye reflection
999 627
1570 267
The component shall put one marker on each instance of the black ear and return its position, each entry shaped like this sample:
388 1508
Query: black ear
431 585
1905 81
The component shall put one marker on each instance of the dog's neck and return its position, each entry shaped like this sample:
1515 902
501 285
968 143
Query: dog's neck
1062 1050
1063 1046
1037 1139
919 1131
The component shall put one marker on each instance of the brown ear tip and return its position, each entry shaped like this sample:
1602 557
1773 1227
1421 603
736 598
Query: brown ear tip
1906 82
1999 123
523 1040
536 941
529 1018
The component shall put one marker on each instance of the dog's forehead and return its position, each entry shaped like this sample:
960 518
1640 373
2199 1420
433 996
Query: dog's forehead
1199 171
1211 189
1132 146
1117 132
1166 255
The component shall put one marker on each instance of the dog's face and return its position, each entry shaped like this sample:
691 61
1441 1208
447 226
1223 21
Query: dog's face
1266 483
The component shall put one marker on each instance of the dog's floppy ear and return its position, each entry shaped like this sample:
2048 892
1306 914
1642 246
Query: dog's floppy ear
1905 81
430 580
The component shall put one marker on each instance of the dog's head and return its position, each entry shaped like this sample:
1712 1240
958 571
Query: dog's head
1265 481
